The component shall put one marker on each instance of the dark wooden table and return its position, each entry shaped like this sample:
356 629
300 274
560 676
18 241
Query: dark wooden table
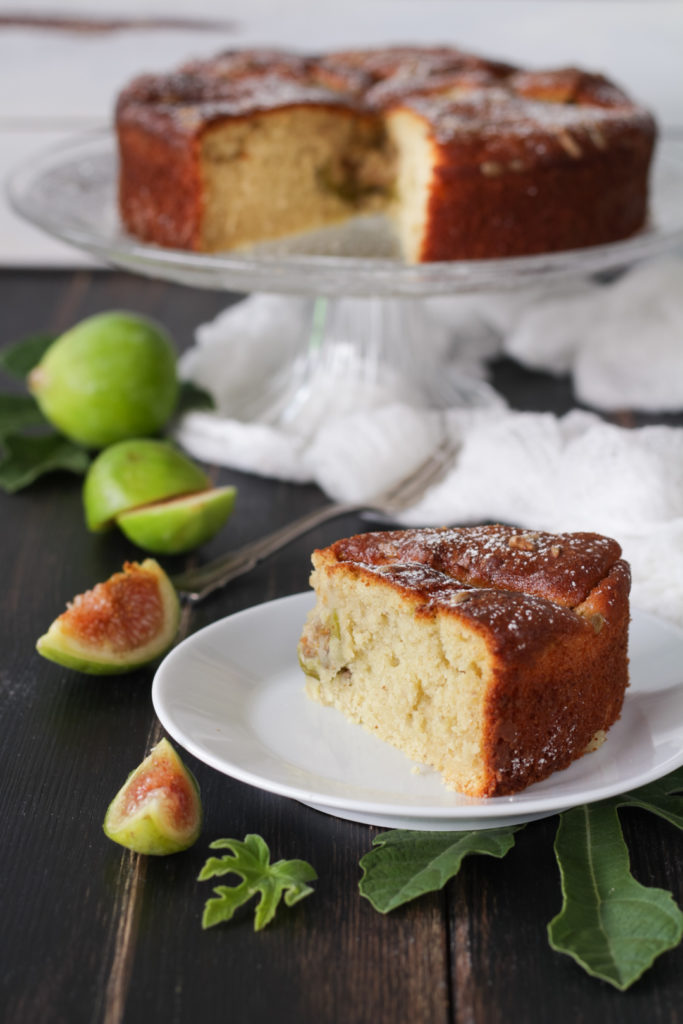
93 933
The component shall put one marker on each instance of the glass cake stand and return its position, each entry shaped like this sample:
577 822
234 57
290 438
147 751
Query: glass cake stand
363 310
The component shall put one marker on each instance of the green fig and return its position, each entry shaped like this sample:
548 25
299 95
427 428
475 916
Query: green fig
109 377
177 525
158 809
310 666
118 626
133 473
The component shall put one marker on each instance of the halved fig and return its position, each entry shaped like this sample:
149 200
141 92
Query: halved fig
181 524
158 809
119 625
133 473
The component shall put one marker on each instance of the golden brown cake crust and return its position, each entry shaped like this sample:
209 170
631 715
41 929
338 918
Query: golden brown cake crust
553 610
543 169
160 122
563 567
524 162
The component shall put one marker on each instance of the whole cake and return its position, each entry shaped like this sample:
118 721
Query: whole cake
470 157
494 654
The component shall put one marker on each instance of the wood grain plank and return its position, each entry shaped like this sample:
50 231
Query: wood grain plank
92 933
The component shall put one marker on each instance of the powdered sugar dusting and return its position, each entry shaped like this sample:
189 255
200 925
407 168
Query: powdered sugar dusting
515 622
562 568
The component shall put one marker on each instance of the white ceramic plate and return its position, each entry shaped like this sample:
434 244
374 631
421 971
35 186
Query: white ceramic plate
233 695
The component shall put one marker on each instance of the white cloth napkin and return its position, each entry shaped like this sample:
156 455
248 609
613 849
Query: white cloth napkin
622 341
574 472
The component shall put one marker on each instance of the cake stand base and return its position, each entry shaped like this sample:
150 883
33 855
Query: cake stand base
357 354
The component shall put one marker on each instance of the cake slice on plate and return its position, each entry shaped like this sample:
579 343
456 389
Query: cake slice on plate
494 654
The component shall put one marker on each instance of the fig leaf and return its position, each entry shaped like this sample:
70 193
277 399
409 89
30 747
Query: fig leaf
407 864
659 798
191 396
18 412
27 458
21 357
250 859
613 926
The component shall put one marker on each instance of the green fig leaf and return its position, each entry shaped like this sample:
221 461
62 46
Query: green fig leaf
658 797
250 860
613 926
27 458
407 864
17 413
193 397
21 357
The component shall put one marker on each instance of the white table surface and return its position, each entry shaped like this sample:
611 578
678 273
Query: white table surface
58 82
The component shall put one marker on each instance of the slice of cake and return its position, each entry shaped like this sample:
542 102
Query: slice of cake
495 655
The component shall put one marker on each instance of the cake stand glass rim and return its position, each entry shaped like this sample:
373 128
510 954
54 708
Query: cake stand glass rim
69 191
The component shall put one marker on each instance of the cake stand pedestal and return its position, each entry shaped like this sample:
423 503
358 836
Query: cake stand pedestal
357 354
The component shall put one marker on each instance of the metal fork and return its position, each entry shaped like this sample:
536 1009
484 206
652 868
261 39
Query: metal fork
196 584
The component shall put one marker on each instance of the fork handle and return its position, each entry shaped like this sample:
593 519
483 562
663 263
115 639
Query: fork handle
196 584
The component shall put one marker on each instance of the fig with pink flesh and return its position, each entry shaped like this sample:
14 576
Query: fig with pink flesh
118 626
158 809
